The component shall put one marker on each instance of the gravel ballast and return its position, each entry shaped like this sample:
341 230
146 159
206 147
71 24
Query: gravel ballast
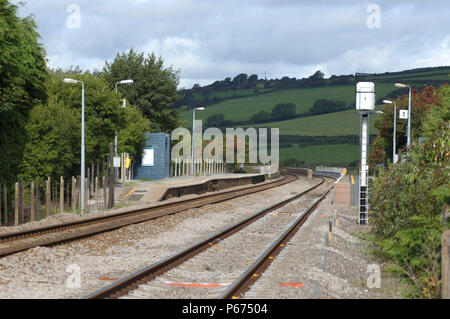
51 272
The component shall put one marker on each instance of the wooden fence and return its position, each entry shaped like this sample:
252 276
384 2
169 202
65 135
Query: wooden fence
34 200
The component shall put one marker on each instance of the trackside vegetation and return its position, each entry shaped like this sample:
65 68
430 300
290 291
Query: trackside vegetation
408 203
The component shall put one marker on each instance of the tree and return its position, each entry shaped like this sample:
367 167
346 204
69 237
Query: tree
422 101
240 79
322 106
215 120
54 129
131 137
53 146
154 89
102 108
22 76
253 78
283 111
259 117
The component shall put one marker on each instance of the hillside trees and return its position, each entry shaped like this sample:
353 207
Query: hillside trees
283 111
323 106
261 116
154 89
22 74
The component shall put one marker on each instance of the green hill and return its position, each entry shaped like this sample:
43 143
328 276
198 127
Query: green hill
240 105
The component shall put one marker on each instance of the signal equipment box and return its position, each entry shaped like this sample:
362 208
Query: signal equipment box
365 97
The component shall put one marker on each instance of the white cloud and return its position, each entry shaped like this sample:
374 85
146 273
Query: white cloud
209 40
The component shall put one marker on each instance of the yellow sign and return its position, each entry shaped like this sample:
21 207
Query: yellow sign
127 162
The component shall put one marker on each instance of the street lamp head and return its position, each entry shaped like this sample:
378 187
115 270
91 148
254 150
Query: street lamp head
67 80
387 102
126 81
200 108
379 112
400 85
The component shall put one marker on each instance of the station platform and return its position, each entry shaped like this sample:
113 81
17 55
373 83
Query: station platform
153 191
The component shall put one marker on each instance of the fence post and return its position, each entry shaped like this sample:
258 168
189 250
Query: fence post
21 202
79 192
111 177
446 264
88 183
86 191
96 193
61 193
38 198
105 201
16 204
47 197
72 193
5 204
32 202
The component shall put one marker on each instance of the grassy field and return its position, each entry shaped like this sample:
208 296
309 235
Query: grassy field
323 154
243 108
331 124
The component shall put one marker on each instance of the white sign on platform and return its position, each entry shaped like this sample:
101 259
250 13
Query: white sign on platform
149 157
404 114
116 161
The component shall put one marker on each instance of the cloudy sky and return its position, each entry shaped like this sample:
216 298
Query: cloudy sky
208 40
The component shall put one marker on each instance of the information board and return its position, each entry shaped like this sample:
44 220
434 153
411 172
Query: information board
148 159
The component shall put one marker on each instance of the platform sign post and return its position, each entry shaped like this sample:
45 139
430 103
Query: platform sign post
365 104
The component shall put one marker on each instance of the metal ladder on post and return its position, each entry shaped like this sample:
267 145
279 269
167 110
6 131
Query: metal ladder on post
364 201
364 172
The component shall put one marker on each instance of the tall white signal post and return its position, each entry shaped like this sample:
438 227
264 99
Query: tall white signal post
365 104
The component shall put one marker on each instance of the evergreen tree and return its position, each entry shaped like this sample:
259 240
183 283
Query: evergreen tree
22 76
154 88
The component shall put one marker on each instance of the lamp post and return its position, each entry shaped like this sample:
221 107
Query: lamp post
83 196
400 85
116 172
394 155
193 131
129 82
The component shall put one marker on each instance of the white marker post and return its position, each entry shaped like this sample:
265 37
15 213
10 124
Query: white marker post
365 104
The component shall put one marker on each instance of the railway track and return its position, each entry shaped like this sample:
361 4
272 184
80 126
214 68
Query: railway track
139 283
56 234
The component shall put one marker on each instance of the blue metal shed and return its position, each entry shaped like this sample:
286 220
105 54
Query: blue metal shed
155 160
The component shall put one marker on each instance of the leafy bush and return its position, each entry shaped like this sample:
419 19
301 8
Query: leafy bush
406 207
283 111
323 106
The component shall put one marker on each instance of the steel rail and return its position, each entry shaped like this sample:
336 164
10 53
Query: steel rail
56 234
131 282
240 285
